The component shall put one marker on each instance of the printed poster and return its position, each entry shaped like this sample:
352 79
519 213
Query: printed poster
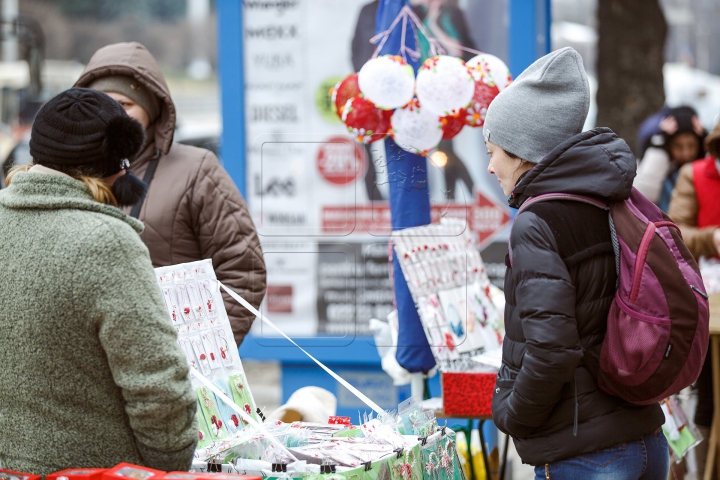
318 198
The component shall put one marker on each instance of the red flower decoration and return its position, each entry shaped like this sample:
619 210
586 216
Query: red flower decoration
430 63
449 342
477 110
452 124
344 91
367 122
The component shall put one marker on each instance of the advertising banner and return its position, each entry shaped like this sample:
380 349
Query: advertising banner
318 198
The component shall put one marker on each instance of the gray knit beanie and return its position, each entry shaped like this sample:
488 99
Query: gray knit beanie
132 89
544 106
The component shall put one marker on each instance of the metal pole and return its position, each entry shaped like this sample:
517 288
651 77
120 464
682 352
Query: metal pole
232 89
528 32
198 12
9 42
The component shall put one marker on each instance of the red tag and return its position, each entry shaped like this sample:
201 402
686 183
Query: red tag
340 421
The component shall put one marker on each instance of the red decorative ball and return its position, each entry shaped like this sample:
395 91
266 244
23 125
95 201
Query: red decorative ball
365 121
452 124
385 123
344 91
477 110
202 356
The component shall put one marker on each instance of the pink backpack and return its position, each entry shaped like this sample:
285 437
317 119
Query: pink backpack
657 327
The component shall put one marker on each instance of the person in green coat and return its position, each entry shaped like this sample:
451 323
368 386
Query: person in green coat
90 371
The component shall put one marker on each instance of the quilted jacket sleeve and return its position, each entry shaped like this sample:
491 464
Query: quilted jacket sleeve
545 298
226 233
684 211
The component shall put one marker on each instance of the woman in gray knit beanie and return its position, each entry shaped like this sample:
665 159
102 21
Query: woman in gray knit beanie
561 282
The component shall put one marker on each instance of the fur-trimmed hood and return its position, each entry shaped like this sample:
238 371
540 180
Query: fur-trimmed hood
134 60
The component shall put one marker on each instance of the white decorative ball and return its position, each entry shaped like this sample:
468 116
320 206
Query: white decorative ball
415 129
387 81
444 85
490 69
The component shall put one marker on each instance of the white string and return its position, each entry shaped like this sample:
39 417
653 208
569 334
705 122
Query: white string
337 377
435 46
386 34
250 420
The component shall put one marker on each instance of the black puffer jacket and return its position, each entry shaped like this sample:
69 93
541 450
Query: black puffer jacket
558 293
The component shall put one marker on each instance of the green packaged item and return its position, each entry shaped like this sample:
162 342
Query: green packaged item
440 460
211 413
406 465
349 433
204 438
241 395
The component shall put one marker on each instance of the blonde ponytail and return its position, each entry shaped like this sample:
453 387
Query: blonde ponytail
13 171
100 190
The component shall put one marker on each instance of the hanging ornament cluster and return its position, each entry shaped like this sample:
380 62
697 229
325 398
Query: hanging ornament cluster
385 98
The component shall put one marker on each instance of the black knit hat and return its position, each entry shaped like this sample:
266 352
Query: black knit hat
684 116
87 129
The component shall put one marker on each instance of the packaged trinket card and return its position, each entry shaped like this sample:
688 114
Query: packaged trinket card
195 308
452 292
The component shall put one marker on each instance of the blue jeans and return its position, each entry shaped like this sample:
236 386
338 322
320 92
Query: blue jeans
644 459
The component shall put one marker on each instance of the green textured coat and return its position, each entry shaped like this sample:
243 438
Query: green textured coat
90 371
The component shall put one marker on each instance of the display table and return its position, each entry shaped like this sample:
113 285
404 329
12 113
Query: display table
485 453
713 464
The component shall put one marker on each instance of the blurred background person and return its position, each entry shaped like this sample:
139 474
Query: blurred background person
680 141
695 207
192 209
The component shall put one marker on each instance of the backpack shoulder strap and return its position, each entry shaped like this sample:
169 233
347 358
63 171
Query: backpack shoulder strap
563 196
559 196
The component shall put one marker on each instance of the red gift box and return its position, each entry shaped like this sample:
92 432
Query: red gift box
468 394
11 475
78 474
123 471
